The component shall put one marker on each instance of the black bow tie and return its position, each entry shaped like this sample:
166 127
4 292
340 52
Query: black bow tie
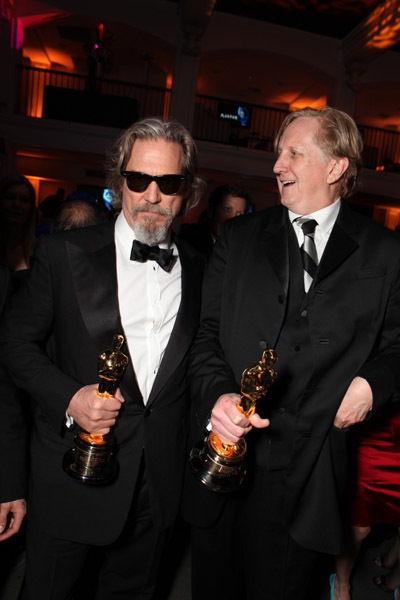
142 252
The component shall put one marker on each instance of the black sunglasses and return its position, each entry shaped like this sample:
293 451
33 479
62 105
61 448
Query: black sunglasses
139 182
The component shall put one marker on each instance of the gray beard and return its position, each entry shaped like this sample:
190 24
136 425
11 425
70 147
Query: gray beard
147 232
151 235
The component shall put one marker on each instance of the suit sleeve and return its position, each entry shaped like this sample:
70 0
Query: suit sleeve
210 376
25 330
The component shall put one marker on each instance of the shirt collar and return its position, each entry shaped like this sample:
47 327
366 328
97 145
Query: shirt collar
325 217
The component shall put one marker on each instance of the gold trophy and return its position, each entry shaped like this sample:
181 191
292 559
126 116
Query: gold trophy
92 459
222 467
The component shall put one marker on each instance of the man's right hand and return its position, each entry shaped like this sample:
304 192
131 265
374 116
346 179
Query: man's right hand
229 423
94 413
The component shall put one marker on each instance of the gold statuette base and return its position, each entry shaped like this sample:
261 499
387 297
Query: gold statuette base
220 471
91 462
219 466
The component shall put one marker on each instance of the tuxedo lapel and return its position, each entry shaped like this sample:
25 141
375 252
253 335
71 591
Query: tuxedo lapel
94 275
95 280
186 320
340 246
275 246
271 272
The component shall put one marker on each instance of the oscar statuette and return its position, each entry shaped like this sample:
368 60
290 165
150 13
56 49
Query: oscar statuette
222 467
92 459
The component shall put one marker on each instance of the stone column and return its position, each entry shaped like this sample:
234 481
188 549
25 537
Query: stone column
184 86
195 17
343 93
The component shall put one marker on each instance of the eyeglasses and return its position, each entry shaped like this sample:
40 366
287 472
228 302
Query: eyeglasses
139 182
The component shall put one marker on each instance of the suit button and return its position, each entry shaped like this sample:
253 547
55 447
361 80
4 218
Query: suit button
281 299
297 348
147 413
282 410
304 313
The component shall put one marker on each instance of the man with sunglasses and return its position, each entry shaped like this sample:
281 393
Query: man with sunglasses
131 277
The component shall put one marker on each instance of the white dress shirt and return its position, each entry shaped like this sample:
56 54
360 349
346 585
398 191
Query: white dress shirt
325 218
149 300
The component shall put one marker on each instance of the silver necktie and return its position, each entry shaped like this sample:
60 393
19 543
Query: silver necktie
308 251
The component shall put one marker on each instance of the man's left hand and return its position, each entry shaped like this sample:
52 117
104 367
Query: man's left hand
11 516
356 404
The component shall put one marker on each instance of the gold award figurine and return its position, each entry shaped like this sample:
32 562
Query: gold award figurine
92 459
222 467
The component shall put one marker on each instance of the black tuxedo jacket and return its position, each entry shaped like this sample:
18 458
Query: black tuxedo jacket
51 336
199 236
353 310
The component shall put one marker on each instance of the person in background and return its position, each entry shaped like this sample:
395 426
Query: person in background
13 440
51 204
225 201
79 210
374 497
18 216
320 284
390 582
14 434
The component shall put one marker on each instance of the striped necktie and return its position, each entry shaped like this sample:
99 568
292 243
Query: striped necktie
308 251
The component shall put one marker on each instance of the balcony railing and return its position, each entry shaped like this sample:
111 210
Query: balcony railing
217 120
70 97
381 149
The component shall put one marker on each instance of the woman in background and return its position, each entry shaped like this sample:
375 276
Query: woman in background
375 499
17 221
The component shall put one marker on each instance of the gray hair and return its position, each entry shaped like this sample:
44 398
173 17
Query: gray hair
337 137
154 128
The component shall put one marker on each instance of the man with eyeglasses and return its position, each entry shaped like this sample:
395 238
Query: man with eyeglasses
131 277
225 201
